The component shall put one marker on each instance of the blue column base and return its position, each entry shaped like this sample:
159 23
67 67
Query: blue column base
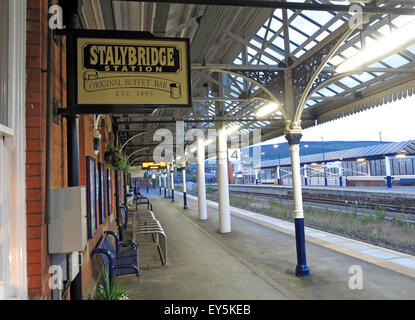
165 193
341 181
185 200
160 190
172 195
305 181
389 182
302 269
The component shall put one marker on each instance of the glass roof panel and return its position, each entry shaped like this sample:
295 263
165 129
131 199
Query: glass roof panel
402 20
304 25
320 17
349 82
296 36
395 61
363 77
335 88
279 42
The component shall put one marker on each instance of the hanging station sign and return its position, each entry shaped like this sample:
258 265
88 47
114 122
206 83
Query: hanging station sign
153 166
127 72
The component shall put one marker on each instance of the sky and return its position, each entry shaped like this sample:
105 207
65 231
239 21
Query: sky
396 122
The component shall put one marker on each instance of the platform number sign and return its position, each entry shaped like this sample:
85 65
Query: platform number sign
234 154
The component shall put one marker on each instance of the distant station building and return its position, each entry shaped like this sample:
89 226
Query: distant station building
387 164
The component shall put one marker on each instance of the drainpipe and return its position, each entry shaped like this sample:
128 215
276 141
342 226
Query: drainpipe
73 139
56 259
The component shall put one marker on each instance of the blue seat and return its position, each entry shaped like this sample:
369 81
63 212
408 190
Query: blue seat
115 260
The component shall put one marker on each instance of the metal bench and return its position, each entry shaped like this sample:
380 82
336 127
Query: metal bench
115 260
140 199
148 224
124 210
406 182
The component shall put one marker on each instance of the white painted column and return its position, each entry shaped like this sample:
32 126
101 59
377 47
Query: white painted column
165 182
279 175
341 174
302 269
296 181
159 180
172 181
388 172
201 186
223 182
305 175
184 185
168 181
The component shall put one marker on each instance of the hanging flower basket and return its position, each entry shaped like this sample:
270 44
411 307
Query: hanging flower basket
112 156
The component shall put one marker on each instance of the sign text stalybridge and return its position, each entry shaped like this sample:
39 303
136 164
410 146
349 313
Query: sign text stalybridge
126 72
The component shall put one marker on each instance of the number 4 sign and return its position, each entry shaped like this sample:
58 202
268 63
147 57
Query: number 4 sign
234 154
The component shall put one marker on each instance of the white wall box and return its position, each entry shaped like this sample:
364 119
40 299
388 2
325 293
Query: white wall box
68 225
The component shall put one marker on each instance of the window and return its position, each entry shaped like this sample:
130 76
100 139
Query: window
91 175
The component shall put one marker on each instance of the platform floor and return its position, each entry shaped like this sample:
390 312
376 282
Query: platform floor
254 261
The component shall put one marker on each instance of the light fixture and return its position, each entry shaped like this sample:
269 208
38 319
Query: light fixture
267 109
397 40
96 141
232 129
361 160
400 156
314 164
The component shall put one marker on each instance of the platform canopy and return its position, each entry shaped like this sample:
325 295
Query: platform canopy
247 53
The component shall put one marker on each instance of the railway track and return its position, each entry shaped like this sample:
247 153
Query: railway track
346 204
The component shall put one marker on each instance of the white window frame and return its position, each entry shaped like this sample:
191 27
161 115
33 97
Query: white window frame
13 260
7 131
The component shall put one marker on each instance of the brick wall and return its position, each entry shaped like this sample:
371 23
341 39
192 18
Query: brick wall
38 258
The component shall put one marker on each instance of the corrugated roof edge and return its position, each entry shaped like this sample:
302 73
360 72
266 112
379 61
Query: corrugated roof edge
389 149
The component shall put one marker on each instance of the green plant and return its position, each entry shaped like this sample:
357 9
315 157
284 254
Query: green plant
380 213
108 290
123 163
115 158
210 190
